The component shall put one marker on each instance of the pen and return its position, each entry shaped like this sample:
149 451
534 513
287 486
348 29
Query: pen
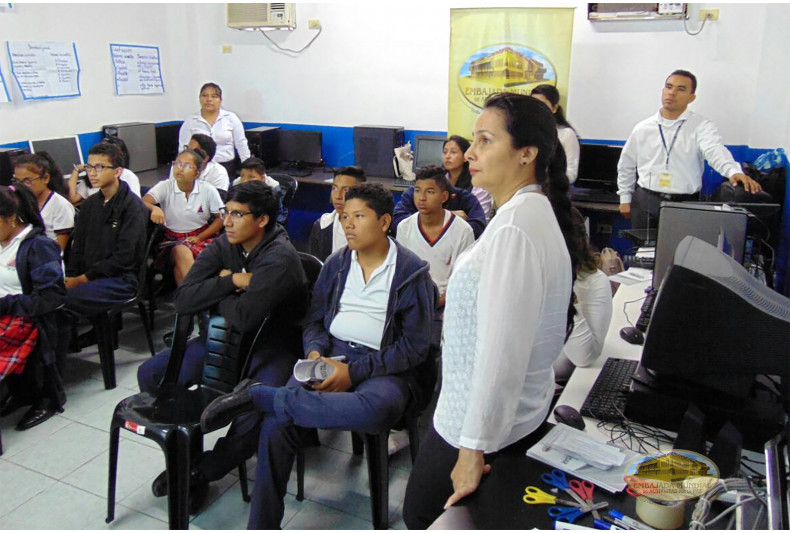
600 524
627 521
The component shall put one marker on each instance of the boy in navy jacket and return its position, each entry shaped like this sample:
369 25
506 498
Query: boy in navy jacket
374 305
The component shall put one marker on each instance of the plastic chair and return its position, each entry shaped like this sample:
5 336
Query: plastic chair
171 418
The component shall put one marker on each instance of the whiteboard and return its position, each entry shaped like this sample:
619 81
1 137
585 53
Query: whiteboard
45 69
137 69
4 96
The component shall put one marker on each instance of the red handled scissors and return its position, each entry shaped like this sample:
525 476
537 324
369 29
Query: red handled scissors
585 490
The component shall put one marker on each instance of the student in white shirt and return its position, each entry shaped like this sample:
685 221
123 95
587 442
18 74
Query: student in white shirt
80 189
507 312
212 172
668 152
222 125
39 173
549 95
327 235
593 305
189 209
433 233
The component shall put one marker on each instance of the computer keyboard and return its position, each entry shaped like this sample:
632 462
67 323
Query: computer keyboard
639 262
400 183
647 310
595 195
607 398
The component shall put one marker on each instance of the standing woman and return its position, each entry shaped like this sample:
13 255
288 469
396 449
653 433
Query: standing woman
549 95
39 173
457 168
223 126
507 313
31 289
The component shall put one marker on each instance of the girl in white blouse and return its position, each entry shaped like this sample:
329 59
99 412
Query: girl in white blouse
508 309
549 95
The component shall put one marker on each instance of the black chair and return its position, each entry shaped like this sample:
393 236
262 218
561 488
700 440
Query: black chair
106 330
289 185
171 418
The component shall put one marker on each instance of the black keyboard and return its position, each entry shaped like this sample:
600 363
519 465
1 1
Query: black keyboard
595 195
399 183
607 398
646 311
639 262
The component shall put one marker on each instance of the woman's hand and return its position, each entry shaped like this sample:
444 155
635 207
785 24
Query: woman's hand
466 475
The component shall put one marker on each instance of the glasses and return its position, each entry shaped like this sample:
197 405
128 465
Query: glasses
235 215
184 166
96 168
27 181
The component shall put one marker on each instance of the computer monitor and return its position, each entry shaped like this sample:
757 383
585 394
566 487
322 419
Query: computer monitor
719 225
65 151
428 150
299 147
598 167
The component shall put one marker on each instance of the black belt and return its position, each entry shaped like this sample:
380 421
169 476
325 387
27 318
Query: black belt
673 197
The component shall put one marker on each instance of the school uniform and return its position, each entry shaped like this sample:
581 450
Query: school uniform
327 235
58 215
460 200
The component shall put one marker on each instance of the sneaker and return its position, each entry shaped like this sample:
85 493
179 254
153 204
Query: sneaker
397 441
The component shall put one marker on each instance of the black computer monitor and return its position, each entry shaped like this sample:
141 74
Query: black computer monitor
299 147
65 151
598 167
428 150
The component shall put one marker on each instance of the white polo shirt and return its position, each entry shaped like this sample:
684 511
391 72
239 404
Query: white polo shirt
183 214
127 175
9 279
363 306
57 214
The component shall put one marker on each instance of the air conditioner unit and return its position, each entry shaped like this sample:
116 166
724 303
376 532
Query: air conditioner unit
253 17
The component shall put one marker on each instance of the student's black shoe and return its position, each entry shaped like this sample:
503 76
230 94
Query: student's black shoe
223 410
38 414
159 486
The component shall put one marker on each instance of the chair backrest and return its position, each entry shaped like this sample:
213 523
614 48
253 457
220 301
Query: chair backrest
227 354
311 266
142 274
288 184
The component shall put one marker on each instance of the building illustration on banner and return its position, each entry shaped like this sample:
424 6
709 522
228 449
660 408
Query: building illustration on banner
504 67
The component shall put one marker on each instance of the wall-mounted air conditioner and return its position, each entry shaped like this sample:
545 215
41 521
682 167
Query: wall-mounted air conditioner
623 11
254 17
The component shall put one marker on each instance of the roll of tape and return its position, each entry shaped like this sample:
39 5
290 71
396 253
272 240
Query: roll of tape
660 515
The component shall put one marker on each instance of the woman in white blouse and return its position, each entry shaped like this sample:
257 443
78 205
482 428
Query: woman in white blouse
549 95
222 125
508 309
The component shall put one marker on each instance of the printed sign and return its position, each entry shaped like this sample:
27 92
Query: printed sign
45 69
138 69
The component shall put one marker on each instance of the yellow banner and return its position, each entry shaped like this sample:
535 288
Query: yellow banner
508 49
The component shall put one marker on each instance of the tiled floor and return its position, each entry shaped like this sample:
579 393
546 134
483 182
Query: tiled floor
54 476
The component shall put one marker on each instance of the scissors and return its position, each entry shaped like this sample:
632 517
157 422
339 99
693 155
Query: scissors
535 496
556 478
585 490
570 514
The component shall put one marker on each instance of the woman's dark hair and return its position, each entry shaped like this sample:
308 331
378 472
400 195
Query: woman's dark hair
206 143
42 163
530 123
551 94
355 172
465 179
437 174
587 259
259 197
198 155
255 164
211 85
111 151
22 203
374 195
120 143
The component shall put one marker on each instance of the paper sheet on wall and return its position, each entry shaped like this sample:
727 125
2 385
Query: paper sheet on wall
137 69
45 69
4 96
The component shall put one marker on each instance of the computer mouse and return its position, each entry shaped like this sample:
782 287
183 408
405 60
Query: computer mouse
565 414
632 335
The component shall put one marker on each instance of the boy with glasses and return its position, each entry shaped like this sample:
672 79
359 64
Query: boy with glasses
249 273
109 238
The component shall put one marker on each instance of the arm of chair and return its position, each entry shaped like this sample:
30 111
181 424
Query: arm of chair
178 349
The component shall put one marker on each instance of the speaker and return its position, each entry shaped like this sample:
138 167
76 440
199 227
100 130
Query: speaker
7 156
374 149
140 139
263 144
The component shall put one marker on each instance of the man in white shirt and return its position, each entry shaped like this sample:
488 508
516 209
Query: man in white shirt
667 152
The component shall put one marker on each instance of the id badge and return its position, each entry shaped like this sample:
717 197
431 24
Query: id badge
665 179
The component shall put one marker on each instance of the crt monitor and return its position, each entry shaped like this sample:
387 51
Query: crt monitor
598 166
716 327
428 150
65 151
299 146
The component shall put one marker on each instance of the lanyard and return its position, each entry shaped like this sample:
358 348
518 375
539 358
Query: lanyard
664 141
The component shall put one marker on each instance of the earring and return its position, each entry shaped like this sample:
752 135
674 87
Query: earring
523 163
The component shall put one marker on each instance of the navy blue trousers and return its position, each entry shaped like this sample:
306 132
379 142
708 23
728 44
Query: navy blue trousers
101 294
241 440
373 406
